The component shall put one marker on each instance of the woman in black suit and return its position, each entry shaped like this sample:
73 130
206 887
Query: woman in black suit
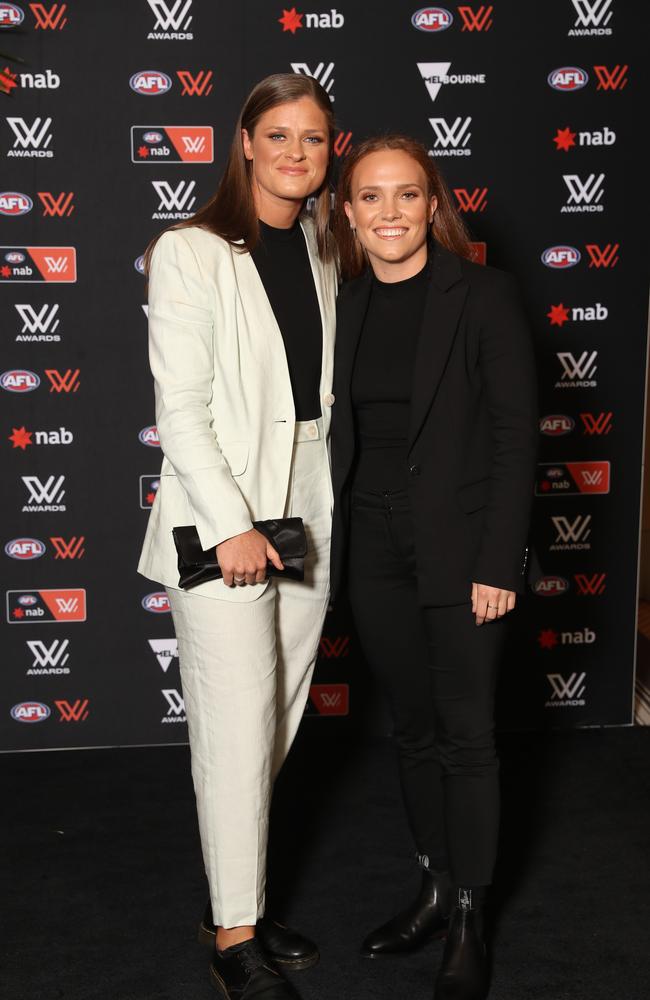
433 454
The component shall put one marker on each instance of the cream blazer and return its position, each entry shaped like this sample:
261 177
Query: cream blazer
224 404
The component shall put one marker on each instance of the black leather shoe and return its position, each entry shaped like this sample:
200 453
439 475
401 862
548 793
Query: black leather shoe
283 945
464 973
243 972
421 922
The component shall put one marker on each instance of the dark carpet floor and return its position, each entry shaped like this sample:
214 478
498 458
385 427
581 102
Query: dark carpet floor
103 888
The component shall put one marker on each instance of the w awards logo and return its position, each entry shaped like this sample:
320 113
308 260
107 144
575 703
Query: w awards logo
584 195
73 711
32 140
328 699
323 73
452 138
175 706
593 17
49 658
173 20
567 692
40 324
174 202
49 17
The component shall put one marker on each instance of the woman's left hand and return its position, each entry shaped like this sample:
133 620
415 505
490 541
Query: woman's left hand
490 603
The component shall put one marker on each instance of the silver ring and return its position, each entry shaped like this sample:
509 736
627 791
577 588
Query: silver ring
493 605
239 580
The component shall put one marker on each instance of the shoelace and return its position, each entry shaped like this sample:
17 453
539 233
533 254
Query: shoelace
251 957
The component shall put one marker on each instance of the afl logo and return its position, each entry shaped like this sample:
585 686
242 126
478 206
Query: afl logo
27 600
10 15
568 78
561 257
15 257
150 82
149 436
432 19
138 264
554 473
24 548
15 203
153 137
556 424
19 380
30 711
550 586
157 603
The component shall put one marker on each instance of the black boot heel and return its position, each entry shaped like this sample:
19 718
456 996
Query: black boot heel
464 973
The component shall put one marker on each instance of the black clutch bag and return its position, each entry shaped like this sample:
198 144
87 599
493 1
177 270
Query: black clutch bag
286 535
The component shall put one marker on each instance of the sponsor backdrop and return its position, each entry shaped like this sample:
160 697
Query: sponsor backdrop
115 125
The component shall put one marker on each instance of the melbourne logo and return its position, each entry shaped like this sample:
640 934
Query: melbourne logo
567 692
175 706
172 144
560 314
175 202
31 140
173 20
432 19
592 17
577 373
568 78
49 659
150 82
565 139
561 257
323 73
14 203
572 535
44 496
452 138
435 75
165 651
25 548
584 196
292 20
38 327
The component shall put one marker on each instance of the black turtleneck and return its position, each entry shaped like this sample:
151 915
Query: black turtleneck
382 381
282 261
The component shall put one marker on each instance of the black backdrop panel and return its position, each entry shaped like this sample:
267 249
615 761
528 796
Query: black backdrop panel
120 123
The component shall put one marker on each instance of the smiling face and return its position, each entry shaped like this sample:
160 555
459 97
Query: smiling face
391 211
289 151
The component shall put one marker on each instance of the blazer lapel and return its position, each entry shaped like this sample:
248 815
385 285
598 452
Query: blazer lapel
442 311
351 311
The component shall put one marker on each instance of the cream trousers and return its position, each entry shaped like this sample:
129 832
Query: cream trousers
245 671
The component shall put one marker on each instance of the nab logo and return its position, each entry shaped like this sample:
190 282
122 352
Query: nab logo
49 18
614 79
60 205
73 711
565 139
30 711
593 17
322 73
556 425
31 140
551 586
471 201
195 84
173 20
15 203
432 19
23 439
19 380
150 83
561 257
568 78
606 256
25 548
292 20
157 603
174 203
10 15
560 314
149 436
451 139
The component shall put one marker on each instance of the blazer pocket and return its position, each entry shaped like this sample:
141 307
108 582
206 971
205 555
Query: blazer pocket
236 455
473 496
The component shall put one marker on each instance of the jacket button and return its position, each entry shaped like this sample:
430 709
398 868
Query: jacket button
415 470
329 398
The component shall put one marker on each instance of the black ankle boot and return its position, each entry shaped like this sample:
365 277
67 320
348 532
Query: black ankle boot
284 946
243 972
464 971
425 919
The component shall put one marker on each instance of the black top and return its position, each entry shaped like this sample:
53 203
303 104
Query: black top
282 261
382 381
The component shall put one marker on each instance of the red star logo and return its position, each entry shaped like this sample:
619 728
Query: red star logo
7 80
18 613
564 139
21 437
547 638
291 20
150 497
558 315
5 271
546 485
143 152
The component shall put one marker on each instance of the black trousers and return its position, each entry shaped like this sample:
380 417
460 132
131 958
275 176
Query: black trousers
439 671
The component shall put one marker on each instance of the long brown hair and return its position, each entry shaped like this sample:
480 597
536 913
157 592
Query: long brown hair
231 213
447 227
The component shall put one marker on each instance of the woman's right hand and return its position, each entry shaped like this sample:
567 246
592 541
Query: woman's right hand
243 558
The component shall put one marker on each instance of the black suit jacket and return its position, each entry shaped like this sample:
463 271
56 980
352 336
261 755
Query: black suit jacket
472 439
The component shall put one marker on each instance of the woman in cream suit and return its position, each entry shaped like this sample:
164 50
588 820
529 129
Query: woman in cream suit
241 340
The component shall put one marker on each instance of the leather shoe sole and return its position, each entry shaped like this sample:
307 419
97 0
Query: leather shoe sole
440 935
